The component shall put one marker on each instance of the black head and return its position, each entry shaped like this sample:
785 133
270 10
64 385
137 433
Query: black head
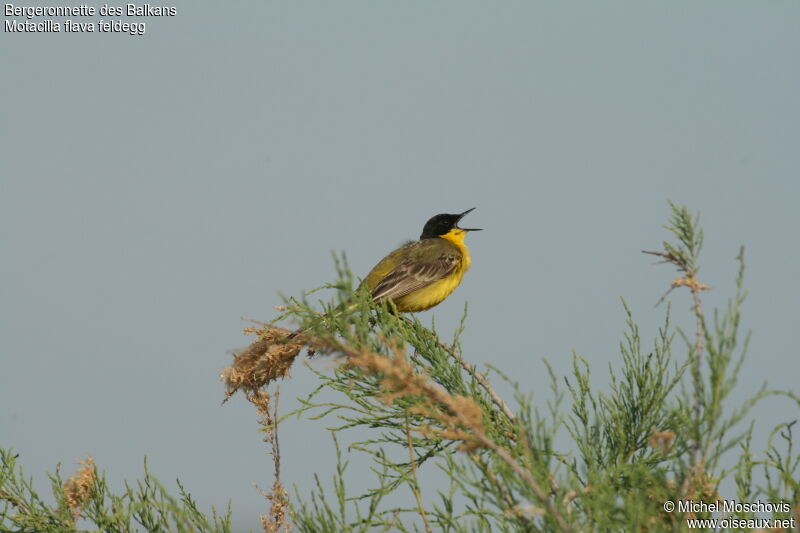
441 224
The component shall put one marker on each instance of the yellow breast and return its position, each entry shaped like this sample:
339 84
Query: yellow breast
437 291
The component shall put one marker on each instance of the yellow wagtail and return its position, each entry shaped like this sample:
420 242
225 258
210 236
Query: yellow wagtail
422 273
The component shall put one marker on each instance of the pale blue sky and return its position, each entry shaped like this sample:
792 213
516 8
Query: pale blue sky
155 189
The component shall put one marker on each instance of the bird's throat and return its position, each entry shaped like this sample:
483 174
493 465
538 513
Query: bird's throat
456 236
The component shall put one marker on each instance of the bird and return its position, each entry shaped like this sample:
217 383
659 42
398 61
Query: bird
421 274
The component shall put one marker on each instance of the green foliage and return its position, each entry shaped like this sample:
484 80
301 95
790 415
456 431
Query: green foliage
586 459
686 228
145 506
658 432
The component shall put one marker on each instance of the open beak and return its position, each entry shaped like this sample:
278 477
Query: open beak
462 215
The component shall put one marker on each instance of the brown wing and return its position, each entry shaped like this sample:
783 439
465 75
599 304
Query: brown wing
413 274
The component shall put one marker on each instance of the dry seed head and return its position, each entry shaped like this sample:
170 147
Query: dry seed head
662 441
265 360
78 488
691 282
277 519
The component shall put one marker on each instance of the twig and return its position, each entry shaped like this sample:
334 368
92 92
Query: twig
483 382
698 345
276 520
479 378
490 475
686 264
526 476
276 447
254 321
16 502
415 488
